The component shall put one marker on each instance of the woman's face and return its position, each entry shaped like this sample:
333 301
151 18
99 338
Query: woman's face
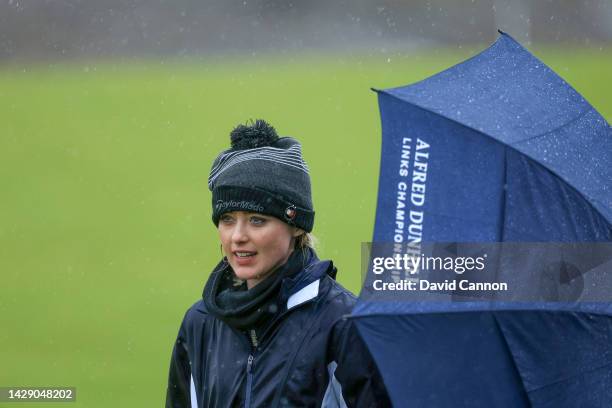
255 244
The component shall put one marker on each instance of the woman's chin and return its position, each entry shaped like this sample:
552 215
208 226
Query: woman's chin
245 273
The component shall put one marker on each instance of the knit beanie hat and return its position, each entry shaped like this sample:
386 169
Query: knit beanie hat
262 173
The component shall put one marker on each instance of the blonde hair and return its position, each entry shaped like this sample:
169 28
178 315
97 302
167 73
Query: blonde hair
305 240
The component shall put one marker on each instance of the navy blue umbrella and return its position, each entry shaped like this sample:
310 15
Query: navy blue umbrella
495 149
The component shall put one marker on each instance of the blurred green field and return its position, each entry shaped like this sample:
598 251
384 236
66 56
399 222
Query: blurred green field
105 231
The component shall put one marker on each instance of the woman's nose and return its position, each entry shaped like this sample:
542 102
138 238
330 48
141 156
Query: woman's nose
239 234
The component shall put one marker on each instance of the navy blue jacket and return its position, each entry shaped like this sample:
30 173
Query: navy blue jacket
311 355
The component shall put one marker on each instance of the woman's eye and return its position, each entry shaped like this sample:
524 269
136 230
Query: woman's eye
257 220
226 219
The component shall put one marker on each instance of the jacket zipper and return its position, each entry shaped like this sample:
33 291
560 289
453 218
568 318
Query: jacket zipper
249 384
247 402
255 344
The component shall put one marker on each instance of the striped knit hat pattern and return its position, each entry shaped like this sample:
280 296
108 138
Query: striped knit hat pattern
262 173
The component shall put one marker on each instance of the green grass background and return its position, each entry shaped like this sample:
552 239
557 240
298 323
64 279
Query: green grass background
105 231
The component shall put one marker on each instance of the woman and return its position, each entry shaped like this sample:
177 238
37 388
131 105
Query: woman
270 330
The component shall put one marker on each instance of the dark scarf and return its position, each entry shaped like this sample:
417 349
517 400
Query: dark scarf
245 309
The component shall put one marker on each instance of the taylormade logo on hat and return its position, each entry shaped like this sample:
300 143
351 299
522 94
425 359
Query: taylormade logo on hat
243 205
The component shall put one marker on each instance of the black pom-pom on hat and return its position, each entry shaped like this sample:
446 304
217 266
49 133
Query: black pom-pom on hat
254 134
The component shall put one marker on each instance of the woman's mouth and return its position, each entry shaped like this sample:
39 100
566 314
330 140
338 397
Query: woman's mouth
244 257
244 254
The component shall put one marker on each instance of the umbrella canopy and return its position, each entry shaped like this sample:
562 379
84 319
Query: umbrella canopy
496 149
504 131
